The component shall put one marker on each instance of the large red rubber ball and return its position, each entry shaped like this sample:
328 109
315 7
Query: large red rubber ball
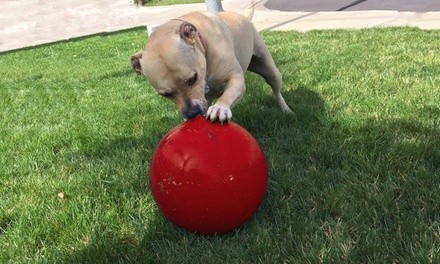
208 178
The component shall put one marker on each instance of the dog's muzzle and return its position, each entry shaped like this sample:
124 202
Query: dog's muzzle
195 108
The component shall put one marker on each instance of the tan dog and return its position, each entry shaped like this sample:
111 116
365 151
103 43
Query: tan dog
201 56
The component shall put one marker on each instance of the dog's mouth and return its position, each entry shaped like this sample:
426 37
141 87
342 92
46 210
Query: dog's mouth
196 111
194 108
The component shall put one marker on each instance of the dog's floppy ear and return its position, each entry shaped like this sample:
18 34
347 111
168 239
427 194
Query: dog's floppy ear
135 62
188 33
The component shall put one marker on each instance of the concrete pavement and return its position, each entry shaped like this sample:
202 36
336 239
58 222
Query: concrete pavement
35 22
352 5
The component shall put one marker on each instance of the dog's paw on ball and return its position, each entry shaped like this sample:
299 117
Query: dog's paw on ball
219 112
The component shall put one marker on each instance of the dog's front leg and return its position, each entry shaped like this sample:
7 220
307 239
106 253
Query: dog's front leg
233 92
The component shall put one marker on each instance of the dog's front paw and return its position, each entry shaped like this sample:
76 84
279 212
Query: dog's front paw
219 112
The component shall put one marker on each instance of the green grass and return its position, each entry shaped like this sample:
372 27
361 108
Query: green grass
354 174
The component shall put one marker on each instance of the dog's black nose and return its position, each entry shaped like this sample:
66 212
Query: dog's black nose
193 112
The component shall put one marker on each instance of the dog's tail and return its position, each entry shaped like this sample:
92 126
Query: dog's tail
250 15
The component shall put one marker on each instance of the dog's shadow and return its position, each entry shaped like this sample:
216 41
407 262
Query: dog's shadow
259 112
284 137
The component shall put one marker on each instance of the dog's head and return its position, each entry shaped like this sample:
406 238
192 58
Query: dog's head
174 63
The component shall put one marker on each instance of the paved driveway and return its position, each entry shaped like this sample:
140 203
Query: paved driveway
350 5
34 22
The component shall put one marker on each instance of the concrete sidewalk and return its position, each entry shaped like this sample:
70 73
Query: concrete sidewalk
35 22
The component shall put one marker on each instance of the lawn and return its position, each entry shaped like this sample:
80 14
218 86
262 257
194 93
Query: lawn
354 173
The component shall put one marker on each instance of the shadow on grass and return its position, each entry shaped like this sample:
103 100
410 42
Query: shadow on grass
114 247
116 74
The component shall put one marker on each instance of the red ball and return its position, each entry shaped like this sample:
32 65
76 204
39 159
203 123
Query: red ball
208 178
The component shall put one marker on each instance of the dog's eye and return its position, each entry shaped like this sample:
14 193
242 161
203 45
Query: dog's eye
167 95
191 81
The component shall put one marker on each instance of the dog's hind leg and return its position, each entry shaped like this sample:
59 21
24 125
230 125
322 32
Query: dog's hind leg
263 64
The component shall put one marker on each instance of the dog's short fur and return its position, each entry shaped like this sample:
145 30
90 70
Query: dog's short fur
201 56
